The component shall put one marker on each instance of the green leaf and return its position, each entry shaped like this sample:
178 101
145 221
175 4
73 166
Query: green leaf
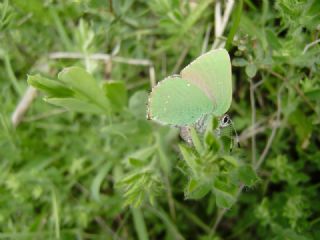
213 124
76 105
117 94
97 181
197 189
137 104
225 194
313 94
143 153
230 159
239 62
139 224
302 125
50 87
236 18
251 70
189 157
76 91
84 85
129 179
212 142
137 162
273 40
247 175
224 199
196 141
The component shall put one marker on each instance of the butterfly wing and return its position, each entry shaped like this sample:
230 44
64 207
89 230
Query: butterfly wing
178 102
211 72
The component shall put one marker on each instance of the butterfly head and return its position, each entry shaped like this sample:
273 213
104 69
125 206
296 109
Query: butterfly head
225 121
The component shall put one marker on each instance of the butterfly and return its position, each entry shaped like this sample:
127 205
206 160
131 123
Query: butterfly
204 87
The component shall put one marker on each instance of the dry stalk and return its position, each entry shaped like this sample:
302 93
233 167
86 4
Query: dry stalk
221 21
23 106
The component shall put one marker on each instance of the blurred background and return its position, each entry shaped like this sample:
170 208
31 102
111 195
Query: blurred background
79 174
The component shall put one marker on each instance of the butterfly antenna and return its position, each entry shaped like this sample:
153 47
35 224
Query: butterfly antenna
235 131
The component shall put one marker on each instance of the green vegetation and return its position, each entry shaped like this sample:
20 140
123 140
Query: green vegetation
87 164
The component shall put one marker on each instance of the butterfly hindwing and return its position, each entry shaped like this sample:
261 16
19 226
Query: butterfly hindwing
178 102
211 72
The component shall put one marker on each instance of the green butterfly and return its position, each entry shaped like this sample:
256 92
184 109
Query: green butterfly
204 87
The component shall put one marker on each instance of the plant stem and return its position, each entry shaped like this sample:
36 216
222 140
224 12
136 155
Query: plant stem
12 77
253 122
257 165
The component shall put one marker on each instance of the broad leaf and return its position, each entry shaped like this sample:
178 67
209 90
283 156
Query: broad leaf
247 175
84 85
225 194
76 105
50 87
197 189
117 94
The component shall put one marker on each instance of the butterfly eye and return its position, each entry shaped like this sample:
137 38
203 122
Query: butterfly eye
225 121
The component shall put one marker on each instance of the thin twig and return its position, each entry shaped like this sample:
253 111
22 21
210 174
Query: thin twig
108 63
206 39
310 45
217 19
11 75
111 7
273 133
253 122
100 56
170 198
221 22
259 83
247 133
23 106
44 115
219 217
164 65
226 15
103 225
152 75
180 61
223 212
136 84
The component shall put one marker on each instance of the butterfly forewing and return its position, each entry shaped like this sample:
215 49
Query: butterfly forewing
211 72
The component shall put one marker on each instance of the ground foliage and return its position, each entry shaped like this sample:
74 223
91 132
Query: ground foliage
90 166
